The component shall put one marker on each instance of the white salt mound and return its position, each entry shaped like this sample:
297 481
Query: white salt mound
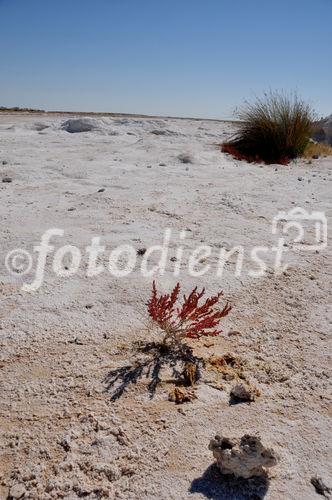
327 127
39 126
323 130
76 125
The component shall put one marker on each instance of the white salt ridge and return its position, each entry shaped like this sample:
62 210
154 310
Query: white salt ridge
78 125
327 127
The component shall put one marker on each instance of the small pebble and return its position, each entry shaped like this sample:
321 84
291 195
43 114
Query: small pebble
185 158
232 333
17 491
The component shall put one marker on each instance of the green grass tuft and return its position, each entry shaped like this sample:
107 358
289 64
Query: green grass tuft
273 129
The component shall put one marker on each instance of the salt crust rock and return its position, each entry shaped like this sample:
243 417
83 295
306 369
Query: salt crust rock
244 457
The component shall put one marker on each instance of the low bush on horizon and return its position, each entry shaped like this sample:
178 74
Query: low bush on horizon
272 129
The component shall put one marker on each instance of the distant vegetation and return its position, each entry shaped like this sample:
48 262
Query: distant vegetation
22 110
273 129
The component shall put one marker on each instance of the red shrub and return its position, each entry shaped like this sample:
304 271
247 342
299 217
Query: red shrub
226 147
190 320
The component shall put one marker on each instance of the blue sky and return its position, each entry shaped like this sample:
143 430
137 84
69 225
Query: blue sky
173 57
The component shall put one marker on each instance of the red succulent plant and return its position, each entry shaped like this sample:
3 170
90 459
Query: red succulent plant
190 320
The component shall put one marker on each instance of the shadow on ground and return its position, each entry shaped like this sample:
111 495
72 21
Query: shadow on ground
178 357
216 486
233 401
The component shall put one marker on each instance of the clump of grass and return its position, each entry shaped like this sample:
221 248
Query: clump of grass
272 129
317 149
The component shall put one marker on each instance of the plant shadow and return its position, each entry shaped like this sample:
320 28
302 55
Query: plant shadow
233 401
216 486
178 357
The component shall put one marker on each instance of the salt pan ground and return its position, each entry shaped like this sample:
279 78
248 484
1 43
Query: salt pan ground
126 180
